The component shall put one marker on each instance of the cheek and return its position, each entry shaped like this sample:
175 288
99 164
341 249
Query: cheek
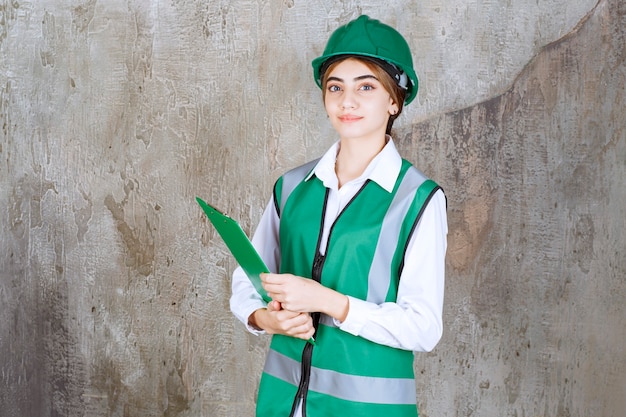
381 107
329 104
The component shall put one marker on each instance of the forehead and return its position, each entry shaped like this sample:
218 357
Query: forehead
350 68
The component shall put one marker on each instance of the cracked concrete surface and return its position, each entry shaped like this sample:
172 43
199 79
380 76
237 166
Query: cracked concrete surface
115 115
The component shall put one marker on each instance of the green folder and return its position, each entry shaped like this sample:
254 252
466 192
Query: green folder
239 245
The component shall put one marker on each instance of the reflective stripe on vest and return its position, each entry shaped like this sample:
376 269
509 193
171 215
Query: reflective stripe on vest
347 387
326 320
390 232
291 180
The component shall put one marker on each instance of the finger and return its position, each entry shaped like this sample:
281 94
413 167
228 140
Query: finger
277 279
302 322
304 332
270 285
307 335
274 306
286 318
268 277
298 331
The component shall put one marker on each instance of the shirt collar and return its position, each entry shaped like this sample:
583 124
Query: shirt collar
384 168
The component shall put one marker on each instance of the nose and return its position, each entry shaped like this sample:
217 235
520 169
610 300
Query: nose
348 101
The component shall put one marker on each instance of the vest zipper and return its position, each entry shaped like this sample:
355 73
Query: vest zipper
307 352
316 274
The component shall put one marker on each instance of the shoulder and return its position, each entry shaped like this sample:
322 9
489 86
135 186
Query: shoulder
411 178
416 186
287 182
302 171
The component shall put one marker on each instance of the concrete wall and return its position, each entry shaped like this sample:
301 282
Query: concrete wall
115 114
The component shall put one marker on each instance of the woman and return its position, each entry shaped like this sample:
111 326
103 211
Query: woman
359 239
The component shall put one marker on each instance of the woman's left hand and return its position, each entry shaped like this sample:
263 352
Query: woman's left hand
305 295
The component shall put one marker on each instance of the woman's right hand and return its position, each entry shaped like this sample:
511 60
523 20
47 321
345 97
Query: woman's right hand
275 320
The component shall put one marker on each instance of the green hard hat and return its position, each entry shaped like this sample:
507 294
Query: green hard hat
370 38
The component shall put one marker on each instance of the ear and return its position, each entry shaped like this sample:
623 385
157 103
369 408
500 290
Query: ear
393 107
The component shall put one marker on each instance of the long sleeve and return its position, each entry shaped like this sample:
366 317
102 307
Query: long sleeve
414 321
244 299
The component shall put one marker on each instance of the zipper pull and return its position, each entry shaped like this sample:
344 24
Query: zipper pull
318 263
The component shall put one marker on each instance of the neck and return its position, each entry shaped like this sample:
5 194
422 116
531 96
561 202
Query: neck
354 156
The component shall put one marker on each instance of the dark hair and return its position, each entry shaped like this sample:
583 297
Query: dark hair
396 92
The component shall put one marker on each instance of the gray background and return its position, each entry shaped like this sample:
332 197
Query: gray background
115 114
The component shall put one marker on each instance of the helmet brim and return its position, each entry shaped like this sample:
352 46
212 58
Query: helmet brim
318 65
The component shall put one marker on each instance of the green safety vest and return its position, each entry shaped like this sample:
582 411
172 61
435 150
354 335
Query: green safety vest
344 375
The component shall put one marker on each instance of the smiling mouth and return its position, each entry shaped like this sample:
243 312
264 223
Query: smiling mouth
349 118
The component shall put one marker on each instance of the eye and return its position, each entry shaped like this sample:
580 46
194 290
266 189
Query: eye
367 87
334 88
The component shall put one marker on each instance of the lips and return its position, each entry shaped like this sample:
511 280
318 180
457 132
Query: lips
349 118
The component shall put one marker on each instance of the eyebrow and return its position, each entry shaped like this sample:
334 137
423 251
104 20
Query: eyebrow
359 78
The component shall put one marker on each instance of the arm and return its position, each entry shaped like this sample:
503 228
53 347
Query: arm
414 321
305 295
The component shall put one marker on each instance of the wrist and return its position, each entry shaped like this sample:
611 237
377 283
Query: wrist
344 307
255 319
338 307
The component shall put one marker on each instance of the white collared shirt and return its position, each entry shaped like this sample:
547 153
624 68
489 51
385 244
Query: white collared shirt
414 321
